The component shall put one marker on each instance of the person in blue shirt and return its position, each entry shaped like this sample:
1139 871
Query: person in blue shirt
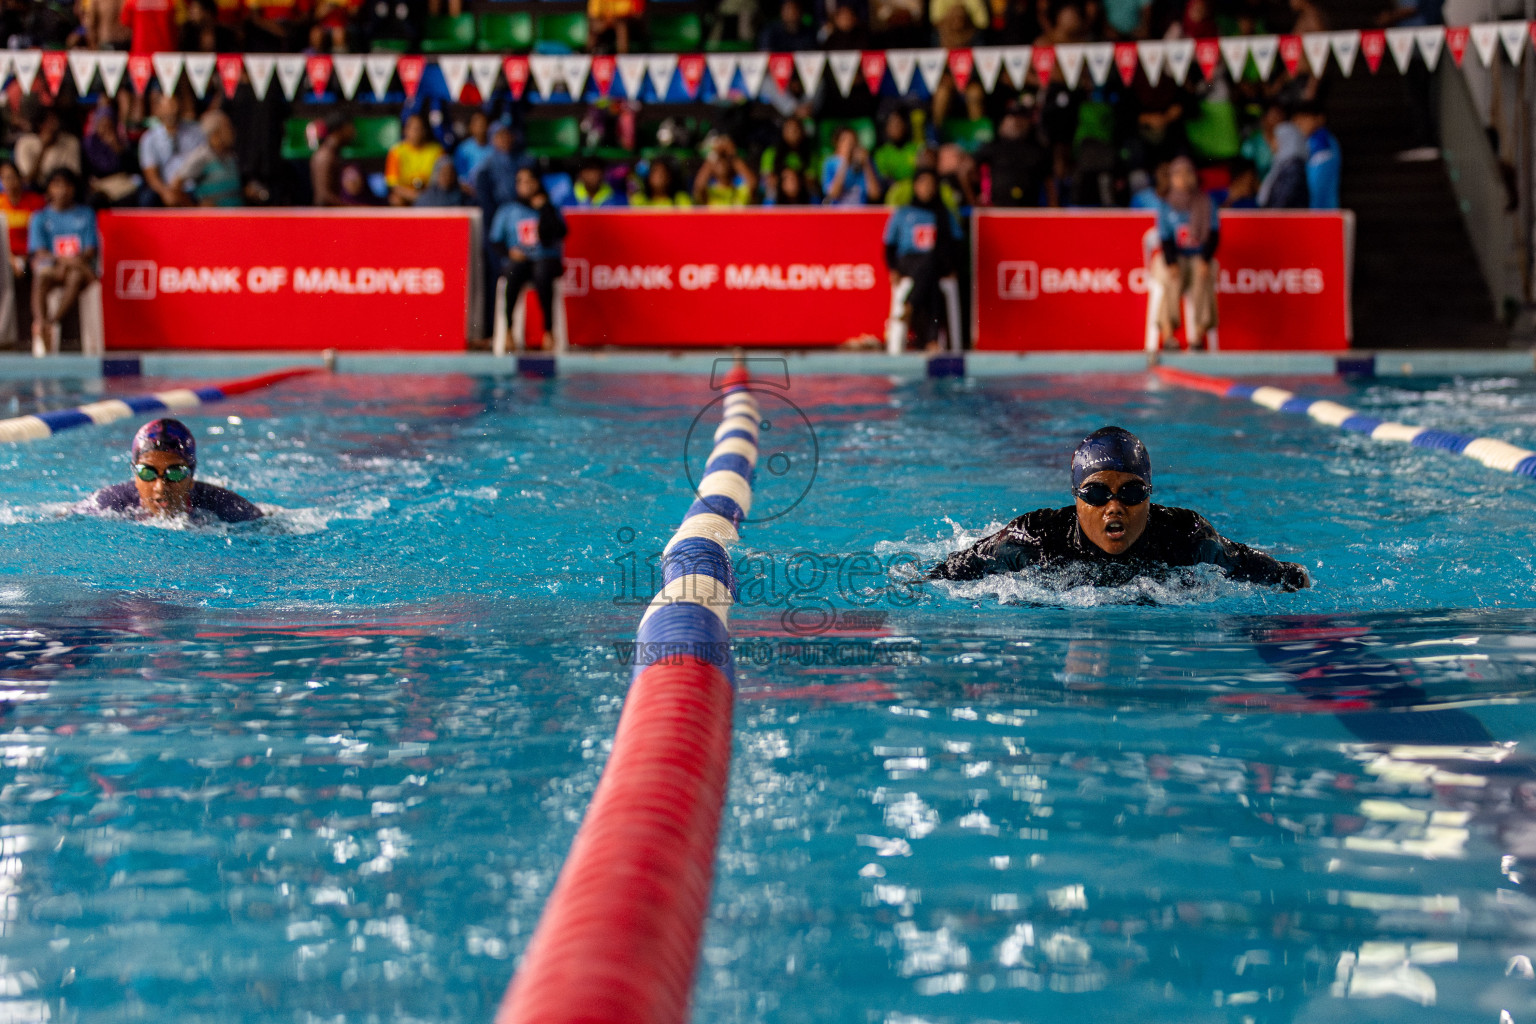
848 176
591 190
921 240
1189 230
494 179
466 156
527 234
1324 157
62 244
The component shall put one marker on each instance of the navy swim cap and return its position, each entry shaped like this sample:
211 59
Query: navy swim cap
166 435
1112 448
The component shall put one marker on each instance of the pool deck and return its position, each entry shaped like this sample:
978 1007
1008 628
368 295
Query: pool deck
216 365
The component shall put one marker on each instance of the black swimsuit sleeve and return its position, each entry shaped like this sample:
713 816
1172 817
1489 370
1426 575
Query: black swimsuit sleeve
1007 550
227 505
1249 565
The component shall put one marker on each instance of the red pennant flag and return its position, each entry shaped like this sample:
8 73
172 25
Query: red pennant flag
516 70
1533 33
54 63
318 68
873 66
691 68
1127 61
1373 47
961 64
782 67
1044 62
410 70
603 70
1456 42
140 70
230 65
1207 54
1290 54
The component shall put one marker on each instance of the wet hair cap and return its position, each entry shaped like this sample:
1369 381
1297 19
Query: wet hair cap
165 435
1110 448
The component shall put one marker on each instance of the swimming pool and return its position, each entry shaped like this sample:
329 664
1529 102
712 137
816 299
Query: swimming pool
325 767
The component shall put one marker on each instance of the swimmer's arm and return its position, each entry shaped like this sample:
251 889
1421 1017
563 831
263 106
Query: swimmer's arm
1241 562
1001 552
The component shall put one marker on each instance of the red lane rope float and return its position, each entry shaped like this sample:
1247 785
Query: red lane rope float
619 938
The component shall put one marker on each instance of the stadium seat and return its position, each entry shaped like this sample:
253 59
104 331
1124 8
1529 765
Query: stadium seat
295 145
968 135
561 33
556 138
390 46
449 34
675 33
374 137
560 187
729 46
505 33
1213 132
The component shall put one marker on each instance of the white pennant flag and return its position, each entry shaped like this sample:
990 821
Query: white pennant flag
1234 54
1345 46
380 68
1100 57
661 68
483 70
1180 54
6 67
111 66
931 65
1431 43
348 69
199 69
24 65
1513 35
1151 55
722 71
573 72
290 72
1069 58
168 69
632 75
1315 46
1016 60
810 64
455 69
902 64
1485 38
1400 42
845 68
545 72
1264 49
754 68
82 66
988 61
258 67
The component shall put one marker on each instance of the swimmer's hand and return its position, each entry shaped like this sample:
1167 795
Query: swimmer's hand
1294 577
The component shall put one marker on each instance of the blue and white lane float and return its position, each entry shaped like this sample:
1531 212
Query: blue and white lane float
1491 452
45 424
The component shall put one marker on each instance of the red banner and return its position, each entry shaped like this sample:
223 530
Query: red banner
239 279
670 279
1073 281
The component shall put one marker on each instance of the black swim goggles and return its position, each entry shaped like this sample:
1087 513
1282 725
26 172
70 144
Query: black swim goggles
1132 492
173 474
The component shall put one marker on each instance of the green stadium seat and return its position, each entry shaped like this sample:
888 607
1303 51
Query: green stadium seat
295 144
1213 133
505 33
557 138
561 33
675 33
374 137
729 46
449 34
391 46
968 135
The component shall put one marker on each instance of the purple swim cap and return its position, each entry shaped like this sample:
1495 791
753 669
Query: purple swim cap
1112 448
165 435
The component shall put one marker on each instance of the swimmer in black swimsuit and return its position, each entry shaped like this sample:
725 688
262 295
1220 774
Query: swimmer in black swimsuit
1114 529
164 456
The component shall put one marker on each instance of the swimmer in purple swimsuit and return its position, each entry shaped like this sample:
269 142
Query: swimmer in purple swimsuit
164 455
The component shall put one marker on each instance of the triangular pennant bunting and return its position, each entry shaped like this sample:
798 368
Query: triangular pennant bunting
1264 49
55 66
961 64
809 65
516 70
1290 54
380 68
604 70
82 68
1069 57
290 72
483 71
1127 61
782 67
168 69
722 71
1208 56
1316 46
1151 55
845 68
573 72
6 66
1513 35
199 71
631 75
259 66
1345 45
902 64
141 70
455 69
1485 39
545 72
989 64
317 69
348 69
930 66
660 68
872 67
25 64
1456 42
1016 61
111 66
1100 58
1234 53
410 69
1431 44
1043 60
1373 47
1400 44
1179 54
690 68
754 69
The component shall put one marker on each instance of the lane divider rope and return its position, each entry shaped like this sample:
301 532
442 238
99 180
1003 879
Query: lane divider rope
1491 452
37 426
619 937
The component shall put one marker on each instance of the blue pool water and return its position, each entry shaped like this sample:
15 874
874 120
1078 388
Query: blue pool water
325 767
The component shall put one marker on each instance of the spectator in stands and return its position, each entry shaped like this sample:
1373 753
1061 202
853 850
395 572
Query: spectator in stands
63 243
724 179
896 157
45 149
1309 17
793 148
846 30
848 176
162 151
211 173
1198 20
337 131
1323 156
921 243
789 33
355 190
104 29
660 188
409 164
528 233
494 179
18 205
444 190
152 24
1243 190
332 19
203 32
609 23
956 22
274 26
1285 186
1017 161
1189 230
898 24
466 156
591 189
790 187
108 160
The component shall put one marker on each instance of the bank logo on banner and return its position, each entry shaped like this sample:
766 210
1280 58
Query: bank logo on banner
199 72
1018 280
930 67
260 67
1180 54
290 72
55 65
136 280
809 64
1069 58
483 71
380 68
111 67
1316 46
25 65
1152 55
631 75
1400 44
1016 61
754 69
1100 58
82 68
989 64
